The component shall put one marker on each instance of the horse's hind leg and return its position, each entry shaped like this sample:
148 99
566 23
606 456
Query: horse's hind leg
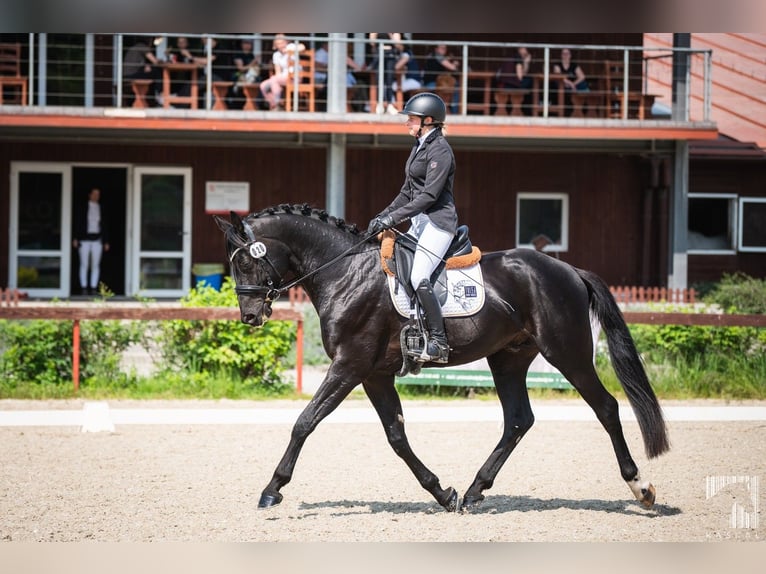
509 371
587 383
385 400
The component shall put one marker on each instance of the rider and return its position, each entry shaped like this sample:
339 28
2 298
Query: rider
426 199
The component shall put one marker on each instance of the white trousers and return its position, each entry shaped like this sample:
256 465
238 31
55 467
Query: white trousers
433 243
90 251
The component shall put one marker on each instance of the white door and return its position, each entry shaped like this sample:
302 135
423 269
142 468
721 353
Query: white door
40 235
161 250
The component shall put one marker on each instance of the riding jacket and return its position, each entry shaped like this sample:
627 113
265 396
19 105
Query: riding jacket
428 178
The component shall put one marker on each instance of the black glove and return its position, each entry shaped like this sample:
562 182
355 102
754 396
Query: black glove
380 223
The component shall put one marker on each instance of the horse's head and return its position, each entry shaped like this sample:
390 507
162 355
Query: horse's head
255 268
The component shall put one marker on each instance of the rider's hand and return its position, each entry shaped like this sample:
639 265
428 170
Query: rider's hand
380 223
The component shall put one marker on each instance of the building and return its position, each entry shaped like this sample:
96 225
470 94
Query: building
609 191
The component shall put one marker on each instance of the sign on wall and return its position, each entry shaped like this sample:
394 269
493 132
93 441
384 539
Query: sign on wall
224 196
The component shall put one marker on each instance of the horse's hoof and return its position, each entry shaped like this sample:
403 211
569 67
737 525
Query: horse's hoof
450 505
649 495
470 503
268 500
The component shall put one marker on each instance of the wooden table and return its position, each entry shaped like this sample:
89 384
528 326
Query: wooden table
169 68
485 77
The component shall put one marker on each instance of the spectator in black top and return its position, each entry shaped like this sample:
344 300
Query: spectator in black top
575 80
513 74
440 74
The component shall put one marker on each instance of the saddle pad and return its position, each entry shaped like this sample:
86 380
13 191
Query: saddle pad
465 293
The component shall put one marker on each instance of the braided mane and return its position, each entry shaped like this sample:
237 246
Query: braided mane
307 211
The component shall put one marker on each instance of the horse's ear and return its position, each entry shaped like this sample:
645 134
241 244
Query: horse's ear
237 222
223 225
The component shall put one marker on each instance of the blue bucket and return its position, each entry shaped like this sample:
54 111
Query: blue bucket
208 275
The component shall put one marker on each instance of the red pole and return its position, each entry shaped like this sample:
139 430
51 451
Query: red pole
76 355
299 358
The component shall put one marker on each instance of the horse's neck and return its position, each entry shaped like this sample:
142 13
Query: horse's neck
312 250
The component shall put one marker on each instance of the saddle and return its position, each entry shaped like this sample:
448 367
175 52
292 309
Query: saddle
397 254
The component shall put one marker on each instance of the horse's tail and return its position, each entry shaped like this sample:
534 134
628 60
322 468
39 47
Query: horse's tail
627 365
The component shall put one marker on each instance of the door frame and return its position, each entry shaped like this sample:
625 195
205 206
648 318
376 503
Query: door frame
134 230
65 247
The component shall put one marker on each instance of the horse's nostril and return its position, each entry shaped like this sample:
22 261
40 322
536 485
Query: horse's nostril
250 319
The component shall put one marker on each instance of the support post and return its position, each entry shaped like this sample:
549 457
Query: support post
76 355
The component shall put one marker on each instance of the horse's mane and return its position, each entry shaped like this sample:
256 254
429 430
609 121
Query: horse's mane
307 211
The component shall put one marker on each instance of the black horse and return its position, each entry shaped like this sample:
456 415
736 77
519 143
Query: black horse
534 304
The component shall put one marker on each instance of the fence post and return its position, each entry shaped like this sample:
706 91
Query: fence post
299 358
76 354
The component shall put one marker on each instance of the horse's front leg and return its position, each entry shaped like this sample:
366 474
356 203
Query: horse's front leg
329 395
382 393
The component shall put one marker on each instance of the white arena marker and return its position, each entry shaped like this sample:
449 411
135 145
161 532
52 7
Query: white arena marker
95 418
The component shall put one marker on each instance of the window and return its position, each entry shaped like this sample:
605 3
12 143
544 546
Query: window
752 232
712 223
543 219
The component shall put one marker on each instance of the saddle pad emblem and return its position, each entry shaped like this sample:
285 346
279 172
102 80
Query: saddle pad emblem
465 293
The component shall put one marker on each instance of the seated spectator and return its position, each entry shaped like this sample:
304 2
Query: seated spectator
180 51
247 70
141 63
440 74
283 59
180 81
390 58
513 74
219 66
321 60
406 67
575 80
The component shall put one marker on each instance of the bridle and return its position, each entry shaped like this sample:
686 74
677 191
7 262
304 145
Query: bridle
274 286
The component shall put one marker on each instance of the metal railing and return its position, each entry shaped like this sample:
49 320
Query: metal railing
90 70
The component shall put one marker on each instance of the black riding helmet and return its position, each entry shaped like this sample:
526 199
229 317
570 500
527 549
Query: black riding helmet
426 104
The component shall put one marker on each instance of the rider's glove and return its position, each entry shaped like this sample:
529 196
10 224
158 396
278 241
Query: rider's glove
380 223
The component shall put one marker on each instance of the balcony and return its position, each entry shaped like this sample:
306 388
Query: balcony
94 86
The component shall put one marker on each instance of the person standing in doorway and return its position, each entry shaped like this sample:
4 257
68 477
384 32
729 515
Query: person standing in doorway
91 240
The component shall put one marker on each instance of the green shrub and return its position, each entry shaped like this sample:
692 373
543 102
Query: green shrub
739 293
225 348
40 353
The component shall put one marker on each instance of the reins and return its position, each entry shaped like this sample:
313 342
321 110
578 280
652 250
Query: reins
273 291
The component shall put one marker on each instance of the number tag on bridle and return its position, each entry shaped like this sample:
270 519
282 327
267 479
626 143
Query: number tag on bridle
257 250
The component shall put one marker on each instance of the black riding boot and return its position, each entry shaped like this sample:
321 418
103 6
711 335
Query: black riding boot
437 348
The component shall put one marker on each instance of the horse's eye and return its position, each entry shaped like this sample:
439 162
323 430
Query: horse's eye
245 262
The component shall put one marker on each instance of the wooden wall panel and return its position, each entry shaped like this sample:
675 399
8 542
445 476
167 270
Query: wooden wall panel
606 194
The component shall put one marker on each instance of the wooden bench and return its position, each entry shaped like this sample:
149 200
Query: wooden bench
517 99
251 92
140 89
586 104
220 91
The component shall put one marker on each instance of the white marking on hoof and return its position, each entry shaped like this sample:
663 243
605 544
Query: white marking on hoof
642 490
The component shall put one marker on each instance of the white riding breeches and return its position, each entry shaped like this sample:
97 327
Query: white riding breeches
433 243
90 251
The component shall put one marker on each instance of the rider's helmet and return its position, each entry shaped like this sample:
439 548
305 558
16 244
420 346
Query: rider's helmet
426 104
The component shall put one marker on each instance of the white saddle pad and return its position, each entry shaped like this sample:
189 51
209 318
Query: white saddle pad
465 293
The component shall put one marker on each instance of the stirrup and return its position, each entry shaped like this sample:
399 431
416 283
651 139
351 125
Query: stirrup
441 356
